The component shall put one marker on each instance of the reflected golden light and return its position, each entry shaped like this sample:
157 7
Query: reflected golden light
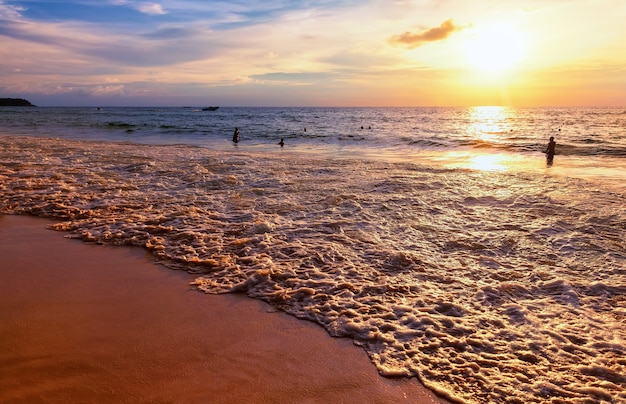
483 161
487 163
488 123
489 126
495 48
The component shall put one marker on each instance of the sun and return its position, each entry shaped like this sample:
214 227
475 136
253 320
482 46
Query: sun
494 48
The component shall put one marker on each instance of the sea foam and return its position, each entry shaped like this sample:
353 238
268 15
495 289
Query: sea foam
488 286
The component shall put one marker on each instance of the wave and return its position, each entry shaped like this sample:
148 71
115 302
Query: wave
579 132
489 288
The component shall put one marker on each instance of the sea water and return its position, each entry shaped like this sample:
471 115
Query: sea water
438 239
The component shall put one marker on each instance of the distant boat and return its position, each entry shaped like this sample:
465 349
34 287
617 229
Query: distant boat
210 108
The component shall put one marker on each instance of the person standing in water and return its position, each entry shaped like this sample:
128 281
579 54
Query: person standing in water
236 136
550 150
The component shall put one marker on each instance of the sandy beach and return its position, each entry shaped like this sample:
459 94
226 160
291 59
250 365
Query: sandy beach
91 323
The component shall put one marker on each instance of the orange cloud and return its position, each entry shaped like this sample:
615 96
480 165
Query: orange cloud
413 40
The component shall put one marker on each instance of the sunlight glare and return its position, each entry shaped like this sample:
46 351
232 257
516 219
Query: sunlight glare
495 48
489 123
486 162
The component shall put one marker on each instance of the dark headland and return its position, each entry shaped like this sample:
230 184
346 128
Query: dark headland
15 102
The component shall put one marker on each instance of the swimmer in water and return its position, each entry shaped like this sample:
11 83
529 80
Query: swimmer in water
550 150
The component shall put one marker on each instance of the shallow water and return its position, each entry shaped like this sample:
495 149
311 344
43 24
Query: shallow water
497 283
347 132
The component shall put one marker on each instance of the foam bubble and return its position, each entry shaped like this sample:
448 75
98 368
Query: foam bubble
490 287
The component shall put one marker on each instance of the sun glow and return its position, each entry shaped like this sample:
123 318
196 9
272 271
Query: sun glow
495 48
489 123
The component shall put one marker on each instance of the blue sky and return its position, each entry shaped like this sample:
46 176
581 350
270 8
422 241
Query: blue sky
344 53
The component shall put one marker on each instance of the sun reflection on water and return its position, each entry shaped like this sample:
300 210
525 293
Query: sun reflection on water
488 126
489 123
488 162
483 162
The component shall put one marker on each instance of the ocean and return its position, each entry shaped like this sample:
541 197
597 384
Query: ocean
438 239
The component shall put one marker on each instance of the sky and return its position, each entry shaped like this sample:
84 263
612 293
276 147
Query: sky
314 53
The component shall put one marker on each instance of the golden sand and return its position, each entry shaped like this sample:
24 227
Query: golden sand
89 323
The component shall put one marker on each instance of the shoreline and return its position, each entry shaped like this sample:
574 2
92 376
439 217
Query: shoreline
85 322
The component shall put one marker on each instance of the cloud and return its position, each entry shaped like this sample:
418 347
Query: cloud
108 90
8 12
151 9
413 40
295 78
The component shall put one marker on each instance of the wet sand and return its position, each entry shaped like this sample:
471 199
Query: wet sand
89 323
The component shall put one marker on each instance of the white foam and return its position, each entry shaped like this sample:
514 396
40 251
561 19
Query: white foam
491 287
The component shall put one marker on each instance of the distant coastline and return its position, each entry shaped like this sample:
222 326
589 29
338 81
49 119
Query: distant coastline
15 102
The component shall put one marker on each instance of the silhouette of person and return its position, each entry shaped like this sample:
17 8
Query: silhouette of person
282 142
236 135
551 150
